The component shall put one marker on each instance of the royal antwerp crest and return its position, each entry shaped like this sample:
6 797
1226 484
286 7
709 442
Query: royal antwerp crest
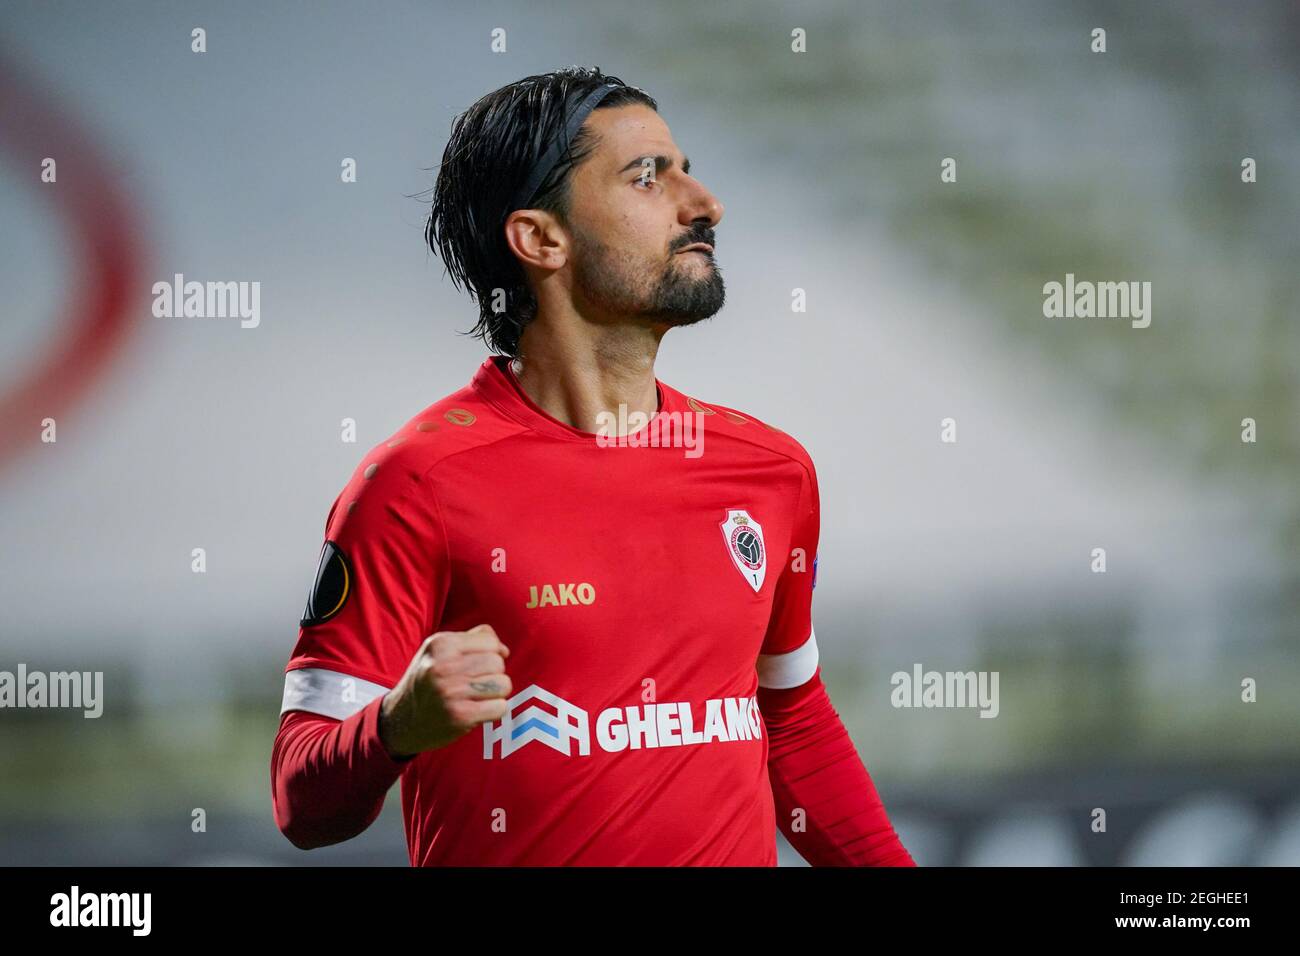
744 537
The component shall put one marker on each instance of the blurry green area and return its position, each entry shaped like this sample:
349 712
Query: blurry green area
148 760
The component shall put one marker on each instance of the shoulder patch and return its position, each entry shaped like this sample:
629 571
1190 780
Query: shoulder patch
332 587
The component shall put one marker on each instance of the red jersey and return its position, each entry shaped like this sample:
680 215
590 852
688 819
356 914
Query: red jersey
646 589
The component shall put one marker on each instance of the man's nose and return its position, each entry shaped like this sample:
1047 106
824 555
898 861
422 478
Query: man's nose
701 205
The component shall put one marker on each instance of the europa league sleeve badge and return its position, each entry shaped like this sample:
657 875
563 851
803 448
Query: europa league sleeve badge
332 587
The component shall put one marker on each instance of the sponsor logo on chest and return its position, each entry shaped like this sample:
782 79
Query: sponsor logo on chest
536 715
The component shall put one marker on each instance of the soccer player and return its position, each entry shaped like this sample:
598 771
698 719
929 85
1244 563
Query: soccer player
568 606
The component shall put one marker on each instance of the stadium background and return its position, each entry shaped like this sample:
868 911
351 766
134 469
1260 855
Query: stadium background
1120 690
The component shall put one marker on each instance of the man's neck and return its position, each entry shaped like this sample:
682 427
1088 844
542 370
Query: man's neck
575 382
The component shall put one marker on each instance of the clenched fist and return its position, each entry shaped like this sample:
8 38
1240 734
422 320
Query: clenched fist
456 681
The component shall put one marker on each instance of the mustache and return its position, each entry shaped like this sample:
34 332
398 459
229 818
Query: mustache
696 235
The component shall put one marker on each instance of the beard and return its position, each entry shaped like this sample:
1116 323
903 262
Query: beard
681 293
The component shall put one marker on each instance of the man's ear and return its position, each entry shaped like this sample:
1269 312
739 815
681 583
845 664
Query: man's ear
537 239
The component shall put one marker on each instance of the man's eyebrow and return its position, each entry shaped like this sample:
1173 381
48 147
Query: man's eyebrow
661 163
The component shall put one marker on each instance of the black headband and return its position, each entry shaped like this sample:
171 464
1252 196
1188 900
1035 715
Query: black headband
556 150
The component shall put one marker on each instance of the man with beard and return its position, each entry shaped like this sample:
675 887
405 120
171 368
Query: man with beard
572 650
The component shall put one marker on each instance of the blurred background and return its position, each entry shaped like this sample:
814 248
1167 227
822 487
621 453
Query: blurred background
1120 690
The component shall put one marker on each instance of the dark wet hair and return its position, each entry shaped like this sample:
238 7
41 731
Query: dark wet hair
494 145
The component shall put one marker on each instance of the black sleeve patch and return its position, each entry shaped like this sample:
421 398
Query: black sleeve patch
332 587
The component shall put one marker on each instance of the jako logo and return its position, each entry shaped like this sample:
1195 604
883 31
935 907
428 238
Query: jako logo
617 728
582 593
102 909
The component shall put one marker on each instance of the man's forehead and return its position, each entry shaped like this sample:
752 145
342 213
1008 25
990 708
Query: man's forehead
629 131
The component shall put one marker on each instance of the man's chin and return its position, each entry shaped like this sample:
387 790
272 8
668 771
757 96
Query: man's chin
699 304
681 320
676 317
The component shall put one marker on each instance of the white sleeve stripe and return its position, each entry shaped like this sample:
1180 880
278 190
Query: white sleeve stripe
329 693
782 671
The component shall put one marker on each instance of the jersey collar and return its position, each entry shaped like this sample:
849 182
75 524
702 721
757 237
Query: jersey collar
497 383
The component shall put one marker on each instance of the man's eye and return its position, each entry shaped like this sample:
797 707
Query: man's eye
645 180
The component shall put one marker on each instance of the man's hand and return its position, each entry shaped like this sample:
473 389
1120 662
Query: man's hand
455 682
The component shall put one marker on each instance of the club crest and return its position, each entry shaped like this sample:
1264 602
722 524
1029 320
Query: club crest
744 537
